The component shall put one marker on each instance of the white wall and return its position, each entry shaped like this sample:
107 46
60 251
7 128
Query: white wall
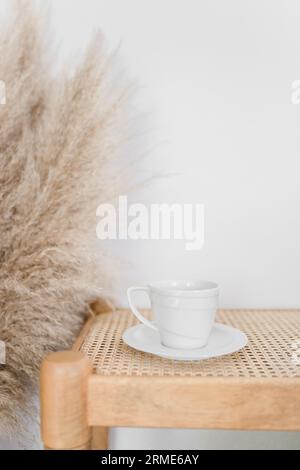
214 77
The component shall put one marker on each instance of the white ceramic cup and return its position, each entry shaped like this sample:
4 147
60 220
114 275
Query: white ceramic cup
184 311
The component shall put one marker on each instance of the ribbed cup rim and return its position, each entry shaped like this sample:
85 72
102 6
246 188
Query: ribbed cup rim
185 288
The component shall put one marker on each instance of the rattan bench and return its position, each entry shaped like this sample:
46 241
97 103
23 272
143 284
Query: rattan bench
103 383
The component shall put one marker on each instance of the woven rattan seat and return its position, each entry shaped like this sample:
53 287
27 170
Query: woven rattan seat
104 383
272 336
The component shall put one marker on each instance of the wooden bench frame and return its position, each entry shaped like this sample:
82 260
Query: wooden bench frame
78 407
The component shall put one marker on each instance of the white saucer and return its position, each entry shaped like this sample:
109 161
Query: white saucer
223 340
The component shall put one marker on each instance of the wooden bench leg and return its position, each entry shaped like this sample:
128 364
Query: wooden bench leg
100 438
63 396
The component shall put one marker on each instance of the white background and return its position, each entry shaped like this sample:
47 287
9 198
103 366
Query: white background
214 79
214 96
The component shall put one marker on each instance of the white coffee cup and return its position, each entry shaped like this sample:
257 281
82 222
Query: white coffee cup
184 311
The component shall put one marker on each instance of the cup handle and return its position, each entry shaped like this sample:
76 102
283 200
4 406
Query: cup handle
134 310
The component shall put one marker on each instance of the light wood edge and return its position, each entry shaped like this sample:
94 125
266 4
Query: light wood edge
100 439
99 307
84 332
63 398
182 402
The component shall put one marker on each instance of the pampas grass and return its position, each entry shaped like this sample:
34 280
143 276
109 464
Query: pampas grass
58 143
